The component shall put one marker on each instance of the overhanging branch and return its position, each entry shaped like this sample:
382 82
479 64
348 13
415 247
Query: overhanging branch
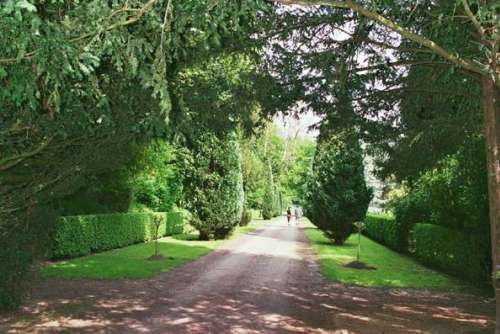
354 6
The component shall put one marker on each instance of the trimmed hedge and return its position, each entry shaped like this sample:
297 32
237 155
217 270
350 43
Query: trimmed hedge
81 235
385 230
450 250
175 222
443 248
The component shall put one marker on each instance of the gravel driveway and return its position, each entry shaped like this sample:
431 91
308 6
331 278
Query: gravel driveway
263 282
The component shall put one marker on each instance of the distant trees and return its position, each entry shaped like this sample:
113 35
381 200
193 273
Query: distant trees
275 169
295 179
337 195
269 195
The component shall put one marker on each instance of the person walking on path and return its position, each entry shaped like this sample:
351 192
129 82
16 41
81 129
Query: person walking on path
289 215
298 214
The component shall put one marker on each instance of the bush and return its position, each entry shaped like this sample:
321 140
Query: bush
450 250
82 235
337 194
246 218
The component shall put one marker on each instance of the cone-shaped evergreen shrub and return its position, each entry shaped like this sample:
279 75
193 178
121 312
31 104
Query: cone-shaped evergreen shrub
214 186
337 193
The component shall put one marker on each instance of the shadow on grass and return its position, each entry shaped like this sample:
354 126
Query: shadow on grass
186 236
346 245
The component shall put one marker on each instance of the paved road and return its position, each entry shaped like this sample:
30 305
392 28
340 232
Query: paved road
264 282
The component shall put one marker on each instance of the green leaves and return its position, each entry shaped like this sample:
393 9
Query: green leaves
25 4
16 5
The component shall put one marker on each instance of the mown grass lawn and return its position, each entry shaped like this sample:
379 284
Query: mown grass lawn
392 269
130 262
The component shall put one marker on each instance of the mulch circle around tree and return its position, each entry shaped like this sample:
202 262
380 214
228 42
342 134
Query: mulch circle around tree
359 265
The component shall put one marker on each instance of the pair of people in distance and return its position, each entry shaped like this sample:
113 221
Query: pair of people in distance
297 214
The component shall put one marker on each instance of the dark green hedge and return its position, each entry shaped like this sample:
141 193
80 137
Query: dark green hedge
450 250
385 230
81 235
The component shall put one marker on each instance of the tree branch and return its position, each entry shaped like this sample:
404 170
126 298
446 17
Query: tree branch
140 13
10 162
473 18
410 90
436 48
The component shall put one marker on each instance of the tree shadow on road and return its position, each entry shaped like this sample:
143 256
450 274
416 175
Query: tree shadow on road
291 298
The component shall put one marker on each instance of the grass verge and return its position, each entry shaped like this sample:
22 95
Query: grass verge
392 269
130 262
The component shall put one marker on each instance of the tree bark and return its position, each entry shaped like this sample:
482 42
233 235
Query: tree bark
491 111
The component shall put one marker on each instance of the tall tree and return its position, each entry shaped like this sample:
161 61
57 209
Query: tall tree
269 199
214 185
337 195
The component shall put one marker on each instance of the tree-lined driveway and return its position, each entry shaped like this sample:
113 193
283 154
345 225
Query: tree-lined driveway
264 282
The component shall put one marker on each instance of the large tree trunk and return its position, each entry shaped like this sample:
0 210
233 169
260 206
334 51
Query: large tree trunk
491 110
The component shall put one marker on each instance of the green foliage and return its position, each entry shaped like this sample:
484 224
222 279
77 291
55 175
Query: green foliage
246 218
451 250
447 208
176 220
106 192
214 185
267 161
268 201
385 230
295 178
156 182
81 235
226 85
337 192
254 175
453 195
408 210
277 204
22 246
